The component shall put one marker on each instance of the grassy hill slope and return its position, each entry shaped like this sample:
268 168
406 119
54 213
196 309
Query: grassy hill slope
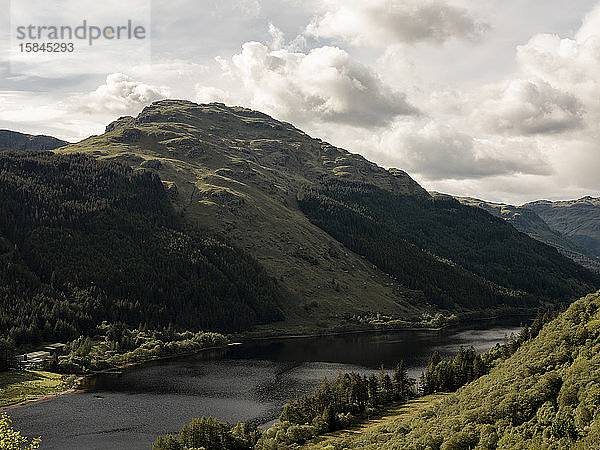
526 219
239 172
547 395
13 140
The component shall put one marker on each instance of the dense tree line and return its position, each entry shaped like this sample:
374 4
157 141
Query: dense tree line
351 396
84 241
114 345
447 376
545 396
456 255
334 406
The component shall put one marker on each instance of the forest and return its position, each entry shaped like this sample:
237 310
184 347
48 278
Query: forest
545 396
84 241
458 256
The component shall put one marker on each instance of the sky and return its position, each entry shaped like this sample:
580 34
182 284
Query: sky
494 99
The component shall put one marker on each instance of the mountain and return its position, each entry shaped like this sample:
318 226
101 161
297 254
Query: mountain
546 395
13 140
579 220
84 241
349 241
573 227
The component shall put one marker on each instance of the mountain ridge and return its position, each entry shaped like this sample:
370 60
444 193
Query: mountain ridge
559 224
14 140
238 172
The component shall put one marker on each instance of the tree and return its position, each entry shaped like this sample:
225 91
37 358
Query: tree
7 354
11 439
402 385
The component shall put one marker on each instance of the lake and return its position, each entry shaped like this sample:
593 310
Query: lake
252 381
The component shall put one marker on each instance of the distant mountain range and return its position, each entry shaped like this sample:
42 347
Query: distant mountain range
342 241
573 226
13 140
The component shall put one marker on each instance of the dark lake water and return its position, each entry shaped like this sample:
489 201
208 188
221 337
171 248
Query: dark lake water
247 382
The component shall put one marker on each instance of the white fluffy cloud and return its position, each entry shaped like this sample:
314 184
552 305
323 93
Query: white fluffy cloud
570 64
524 107
325 84
387 22
120 95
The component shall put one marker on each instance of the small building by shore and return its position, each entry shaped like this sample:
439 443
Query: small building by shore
34 359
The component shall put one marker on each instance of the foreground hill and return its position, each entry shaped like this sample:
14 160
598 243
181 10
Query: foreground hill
573 227
13 140
547 395
350 241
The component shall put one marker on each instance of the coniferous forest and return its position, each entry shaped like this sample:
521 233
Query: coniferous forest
457 256
84 241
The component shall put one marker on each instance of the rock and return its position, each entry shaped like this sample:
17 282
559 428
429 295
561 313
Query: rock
152 164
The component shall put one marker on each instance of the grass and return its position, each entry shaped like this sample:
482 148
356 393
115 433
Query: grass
19 385
391 417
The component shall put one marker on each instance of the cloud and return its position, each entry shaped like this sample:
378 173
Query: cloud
572 65
325 84
435 151
525 107
120 95
387 22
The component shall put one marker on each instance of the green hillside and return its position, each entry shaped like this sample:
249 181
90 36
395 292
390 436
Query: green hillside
561 234
545 396
13 140
459 257
83 241
239 172
579 220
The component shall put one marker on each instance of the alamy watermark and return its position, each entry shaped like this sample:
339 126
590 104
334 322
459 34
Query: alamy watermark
80 36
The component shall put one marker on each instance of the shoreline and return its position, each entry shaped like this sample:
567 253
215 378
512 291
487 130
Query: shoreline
76 388
264 336
526 316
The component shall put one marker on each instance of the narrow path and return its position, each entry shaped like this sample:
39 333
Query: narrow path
389 416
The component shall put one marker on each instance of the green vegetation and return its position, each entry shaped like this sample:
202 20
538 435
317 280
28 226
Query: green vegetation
85 241
19 385
546 396
375 425
11 439
13 140
211 434
467 365
458 257
114 345
577 221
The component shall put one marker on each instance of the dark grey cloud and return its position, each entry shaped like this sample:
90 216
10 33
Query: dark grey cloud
438 152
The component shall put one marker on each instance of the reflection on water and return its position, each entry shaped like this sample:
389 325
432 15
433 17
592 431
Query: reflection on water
246 382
